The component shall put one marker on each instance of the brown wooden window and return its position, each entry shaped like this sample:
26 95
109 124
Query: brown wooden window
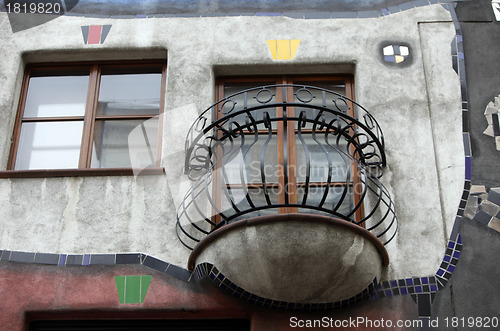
291 192
84 116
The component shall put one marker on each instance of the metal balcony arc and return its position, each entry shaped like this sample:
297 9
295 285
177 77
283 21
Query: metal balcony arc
325 158
320 109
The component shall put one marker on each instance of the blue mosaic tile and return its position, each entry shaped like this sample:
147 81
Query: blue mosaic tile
447 258
403 290
418 289
482 217
394 9
268 14
107 259
420 3
409 281
406 6
62 259
434 288
468 170
178 272
155 264
86 259
425 280
22 257
440 272
128 258
368 14
344 15
43 258
317 15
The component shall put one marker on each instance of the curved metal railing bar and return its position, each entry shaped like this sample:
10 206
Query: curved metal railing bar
365 134
349 156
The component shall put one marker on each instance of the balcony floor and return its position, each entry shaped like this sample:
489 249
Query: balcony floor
300 258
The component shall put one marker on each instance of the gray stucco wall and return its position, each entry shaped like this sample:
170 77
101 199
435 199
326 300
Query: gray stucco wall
417 106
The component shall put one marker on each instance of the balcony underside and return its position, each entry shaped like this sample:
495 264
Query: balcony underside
299 258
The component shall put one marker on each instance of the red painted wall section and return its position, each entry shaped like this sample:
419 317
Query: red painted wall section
33 292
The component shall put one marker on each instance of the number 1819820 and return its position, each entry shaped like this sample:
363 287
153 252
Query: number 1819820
471 322
33 7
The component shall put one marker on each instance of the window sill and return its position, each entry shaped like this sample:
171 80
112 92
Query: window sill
43 173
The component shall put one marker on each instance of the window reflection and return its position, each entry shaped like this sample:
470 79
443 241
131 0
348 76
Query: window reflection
111 143
49 145
129 94
56 96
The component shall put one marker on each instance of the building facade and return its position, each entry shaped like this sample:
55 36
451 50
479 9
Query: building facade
248 165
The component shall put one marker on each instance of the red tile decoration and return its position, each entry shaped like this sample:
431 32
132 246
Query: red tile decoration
95 34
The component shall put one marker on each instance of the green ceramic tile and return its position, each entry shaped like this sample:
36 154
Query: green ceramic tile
133 289
120 285
145 281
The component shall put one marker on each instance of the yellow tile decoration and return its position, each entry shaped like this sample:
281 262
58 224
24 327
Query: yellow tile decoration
283 49
294 45
272 48
399 58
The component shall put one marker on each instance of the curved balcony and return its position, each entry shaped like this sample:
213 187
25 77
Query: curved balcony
289 181
322 109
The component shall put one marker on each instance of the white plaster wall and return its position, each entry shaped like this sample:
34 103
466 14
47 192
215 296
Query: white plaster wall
123 214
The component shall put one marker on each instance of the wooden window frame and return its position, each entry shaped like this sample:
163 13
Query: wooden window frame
291 192
94 70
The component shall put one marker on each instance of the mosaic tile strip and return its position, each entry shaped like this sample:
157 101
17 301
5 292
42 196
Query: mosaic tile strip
208 270
97 259
492 114
305 14
484 207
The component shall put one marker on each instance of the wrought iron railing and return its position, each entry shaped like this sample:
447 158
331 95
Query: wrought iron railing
342 115
333 168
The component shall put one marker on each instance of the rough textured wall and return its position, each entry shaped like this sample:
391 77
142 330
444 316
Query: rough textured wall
101 215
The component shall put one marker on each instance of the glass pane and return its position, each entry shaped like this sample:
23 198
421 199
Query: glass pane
56 96
319 155
129 94
124 143
311 96
251 99
251 152
338 87
256 195
316 193
49 145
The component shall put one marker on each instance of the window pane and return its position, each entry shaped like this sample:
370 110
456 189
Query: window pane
116 141
256 195
311 96
316 193
129 94
252 173
49 145
338 87
319 155
253 98
56 96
